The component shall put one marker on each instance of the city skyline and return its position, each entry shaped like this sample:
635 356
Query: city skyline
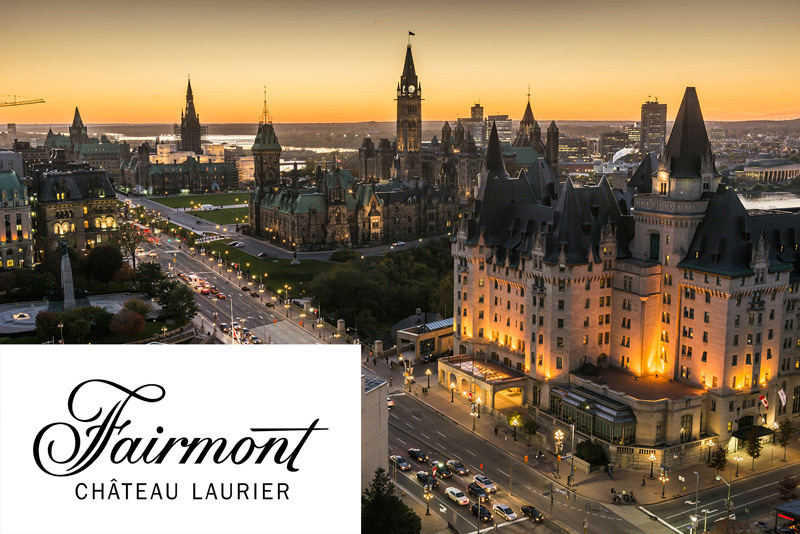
582 61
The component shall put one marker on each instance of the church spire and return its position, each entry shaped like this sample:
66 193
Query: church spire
409 77
190 111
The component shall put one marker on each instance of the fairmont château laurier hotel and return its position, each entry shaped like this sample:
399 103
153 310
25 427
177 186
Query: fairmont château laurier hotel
660 319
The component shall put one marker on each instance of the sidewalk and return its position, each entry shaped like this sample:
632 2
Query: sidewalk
597 485
431 524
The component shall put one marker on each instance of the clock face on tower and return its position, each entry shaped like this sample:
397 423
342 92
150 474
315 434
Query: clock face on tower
411 89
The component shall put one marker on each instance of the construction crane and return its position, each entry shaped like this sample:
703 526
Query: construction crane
16 102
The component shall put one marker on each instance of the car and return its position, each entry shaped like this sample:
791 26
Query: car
224 327
430 358
531 511
427 479
221 296
245 288
479 510
139 250
478 492
485 483
213 289
263 255
399 462
504 511
182 275
153 254
255 340
442 471
389 402
457 496
457 467
235 244
204 291
398 244
236 326
254 295
269 304
418 455
246 332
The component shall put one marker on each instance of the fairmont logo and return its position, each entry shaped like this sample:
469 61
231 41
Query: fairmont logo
64 449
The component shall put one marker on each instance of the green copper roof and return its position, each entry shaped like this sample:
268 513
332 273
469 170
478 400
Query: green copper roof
266 138
9 182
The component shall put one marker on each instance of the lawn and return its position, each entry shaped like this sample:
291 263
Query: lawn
226 216
215 199
279 272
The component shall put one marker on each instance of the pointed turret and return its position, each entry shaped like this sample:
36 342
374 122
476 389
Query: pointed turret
493 165
688 151
527 117
191 131
552 147
76 120
190 111
78 133
409 77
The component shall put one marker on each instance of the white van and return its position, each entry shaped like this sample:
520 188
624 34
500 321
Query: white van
206 207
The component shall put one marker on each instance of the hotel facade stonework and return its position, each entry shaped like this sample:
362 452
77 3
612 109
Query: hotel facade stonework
660 319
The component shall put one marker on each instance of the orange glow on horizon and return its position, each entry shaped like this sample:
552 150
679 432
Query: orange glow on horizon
342 62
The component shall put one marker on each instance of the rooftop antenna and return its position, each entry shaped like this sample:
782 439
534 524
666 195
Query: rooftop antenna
529 93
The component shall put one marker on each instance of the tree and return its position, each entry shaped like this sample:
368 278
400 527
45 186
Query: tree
129 237
785 433
139 306
530 427
47 326
442 296
127 322
753 446
99 319
124 274
719 458
382 512
148 277
787 488
76 325
179 303
103 262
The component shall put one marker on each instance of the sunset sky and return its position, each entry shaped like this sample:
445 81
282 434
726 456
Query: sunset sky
326 61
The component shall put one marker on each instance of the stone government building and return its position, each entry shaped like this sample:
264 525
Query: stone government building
390 202
453 163
72 202
654 329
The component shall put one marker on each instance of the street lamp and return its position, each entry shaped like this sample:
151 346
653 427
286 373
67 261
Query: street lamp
479 401
559 440
694 523
664 479
515 423
710 443
738 460
727 502
164 330
452 389
428 372
428 495
61 329
474 413
652 461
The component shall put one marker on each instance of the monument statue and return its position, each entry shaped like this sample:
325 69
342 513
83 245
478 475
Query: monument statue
66 277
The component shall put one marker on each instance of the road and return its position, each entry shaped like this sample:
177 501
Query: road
253 313
413 424
252 245
753 498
